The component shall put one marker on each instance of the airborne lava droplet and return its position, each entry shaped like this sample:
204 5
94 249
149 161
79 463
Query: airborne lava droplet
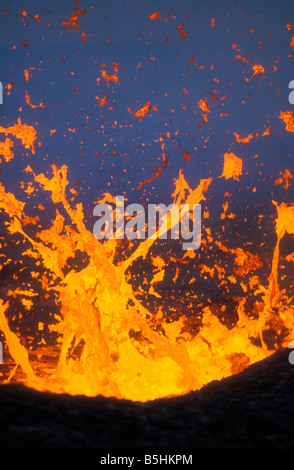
232 166
143 111
288 118
154 16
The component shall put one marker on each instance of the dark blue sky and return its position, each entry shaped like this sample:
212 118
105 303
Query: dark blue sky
64 72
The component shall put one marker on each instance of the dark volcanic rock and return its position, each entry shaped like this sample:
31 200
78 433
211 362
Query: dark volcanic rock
250 410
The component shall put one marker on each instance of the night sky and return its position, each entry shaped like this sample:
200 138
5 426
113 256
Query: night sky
192 50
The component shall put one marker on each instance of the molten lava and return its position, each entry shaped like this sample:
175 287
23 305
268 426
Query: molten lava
107 341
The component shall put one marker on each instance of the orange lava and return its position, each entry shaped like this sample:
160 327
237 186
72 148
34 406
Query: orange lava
124 350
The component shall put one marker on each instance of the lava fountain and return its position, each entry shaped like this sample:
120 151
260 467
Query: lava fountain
106 341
